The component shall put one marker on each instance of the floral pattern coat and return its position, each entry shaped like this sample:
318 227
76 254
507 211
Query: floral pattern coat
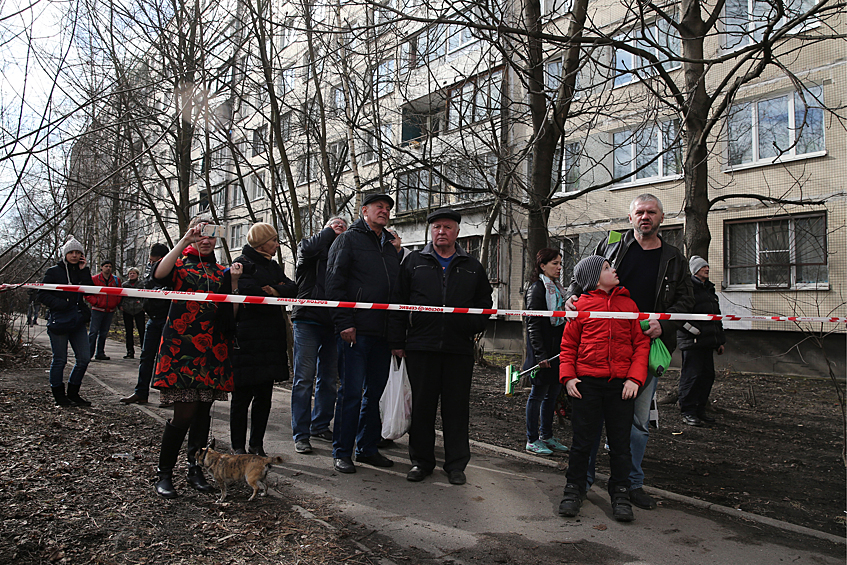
194 353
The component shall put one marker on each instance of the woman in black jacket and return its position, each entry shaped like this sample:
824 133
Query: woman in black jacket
261 352
66 323
543 341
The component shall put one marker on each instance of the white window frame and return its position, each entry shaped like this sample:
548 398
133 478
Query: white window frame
254 188
629 68
237 236
476 100
631 140
747 21
287 81
384 78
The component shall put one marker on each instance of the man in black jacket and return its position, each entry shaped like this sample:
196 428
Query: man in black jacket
157 312
362 267
656 275
439 347
315 348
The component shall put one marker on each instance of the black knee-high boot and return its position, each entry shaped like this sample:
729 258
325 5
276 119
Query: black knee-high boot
171 444
198 437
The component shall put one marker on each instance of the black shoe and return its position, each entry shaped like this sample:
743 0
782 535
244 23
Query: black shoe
641 499
129 356
571 501
197 480
706 418
75 398
456 477
377 460
303 446
384 443
344 465
325 435
239 451
166 405
621 506
102 357
59 395
260 451
417 474
165 486
692 420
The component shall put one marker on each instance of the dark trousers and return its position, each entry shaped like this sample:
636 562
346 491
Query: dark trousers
242 396
448 376
149 351
695 380
138 320
601 400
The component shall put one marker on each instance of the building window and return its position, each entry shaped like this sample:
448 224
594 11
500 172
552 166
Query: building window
765 131
255 186
237 236
746 21
570 167
237 196
783 253
219 196
475 100
653 152
308 169
555 8
337 153
417 190
418 125
375 147
287 81
336 98
473 245
660 39
472 179
309 220
286 33
384 79
260 140
425 47
285 126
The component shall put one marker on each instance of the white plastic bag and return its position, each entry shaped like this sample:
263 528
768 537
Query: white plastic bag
395 406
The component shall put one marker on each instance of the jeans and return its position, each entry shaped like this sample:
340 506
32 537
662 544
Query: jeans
601 401
639 434
696 380
129 320
315 366
59 345
362 375
149 351
541 405
98 331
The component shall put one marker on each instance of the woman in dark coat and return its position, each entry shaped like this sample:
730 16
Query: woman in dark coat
70 270
261 353
543 341
194 367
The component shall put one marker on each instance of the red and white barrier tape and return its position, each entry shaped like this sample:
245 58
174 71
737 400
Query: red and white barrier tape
243 299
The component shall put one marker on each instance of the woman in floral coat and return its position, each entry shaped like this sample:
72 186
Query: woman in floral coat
193 369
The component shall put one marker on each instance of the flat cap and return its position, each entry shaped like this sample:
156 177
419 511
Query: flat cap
444 213
370 198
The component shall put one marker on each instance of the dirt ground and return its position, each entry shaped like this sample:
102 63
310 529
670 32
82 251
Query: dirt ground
775 449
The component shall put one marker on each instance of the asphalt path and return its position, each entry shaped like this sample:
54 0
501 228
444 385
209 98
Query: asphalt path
509 496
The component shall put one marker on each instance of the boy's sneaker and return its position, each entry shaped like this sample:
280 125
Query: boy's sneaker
555 444
621 506
641 499
571 501
539 448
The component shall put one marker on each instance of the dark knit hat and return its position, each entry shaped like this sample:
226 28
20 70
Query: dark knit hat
587 272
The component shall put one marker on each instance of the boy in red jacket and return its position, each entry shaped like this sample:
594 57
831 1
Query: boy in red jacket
603 362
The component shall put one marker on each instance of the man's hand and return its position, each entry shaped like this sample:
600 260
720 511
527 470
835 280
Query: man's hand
349 335
571 388
654 330
398 352
720 350
570 303
270 290
544 364
630 390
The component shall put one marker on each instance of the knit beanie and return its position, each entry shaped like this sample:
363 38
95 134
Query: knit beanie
587 272
696 263
260 234
71 245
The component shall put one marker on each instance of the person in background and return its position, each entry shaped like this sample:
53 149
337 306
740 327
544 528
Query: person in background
102 310
543 342
603 364
362 267
315 347
439 348
32 308
261 354
70 270
698 341
133 310
398 244
194 366
157 313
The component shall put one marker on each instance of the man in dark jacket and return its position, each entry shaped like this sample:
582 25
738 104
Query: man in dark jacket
157 312
656 275
315 348
362 267
102 310
439 347
698 341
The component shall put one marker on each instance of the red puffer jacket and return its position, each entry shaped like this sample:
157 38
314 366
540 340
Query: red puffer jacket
103 301
604 348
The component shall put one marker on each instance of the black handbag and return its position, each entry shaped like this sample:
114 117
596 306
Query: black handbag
64 321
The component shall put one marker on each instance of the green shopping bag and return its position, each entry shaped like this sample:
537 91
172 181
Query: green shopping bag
660 357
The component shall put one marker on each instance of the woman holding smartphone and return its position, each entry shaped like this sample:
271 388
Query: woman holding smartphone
194 367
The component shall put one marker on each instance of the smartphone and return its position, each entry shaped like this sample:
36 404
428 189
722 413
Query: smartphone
211 230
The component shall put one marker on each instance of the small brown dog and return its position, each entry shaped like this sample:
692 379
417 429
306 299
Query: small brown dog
228 469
